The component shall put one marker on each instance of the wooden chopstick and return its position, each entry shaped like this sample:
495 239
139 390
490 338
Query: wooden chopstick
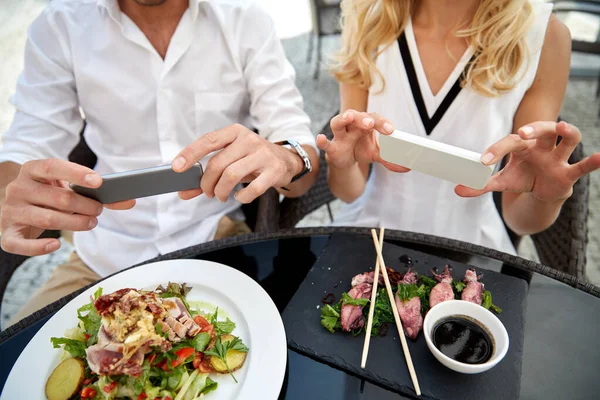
365 353
409 363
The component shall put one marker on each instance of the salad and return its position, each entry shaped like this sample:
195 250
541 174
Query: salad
137 344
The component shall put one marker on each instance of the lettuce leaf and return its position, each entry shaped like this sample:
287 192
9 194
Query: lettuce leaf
75 347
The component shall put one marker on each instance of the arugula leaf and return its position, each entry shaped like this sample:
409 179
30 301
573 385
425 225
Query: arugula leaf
427 281
210 386
75 347
348 300
406 292
200 341
220 350
383 312
488 304
458 286
330 318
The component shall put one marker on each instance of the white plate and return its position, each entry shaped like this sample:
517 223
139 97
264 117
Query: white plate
258 324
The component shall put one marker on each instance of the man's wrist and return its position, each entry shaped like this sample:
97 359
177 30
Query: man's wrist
297 163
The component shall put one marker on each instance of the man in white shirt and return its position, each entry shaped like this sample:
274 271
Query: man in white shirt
159 82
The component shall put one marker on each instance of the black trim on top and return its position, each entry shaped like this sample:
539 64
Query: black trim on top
428 123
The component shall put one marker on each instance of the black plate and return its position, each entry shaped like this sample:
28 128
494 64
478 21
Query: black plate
348 255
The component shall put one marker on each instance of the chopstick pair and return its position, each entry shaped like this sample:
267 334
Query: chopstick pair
380 267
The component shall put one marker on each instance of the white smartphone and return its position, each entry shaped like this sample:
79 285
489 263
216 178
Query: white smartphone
142 183
438 159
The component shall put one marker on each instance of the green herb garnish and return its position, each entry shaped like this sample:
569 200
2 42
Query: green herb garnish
220 350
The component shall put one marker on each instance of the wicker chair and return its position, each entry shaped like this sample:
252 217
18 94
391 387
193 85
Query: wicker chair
562 246
325 21
590 7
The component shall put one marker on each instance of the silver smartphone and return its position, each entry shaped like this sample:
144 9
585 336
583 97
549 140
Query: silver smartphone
142 183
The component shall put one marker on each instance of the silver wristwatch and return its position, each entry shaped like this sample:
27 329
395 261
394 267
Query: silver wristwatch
293 145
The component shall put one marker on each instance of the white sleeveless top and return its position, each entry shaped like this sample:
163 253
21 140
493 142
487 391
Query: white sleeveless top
420 203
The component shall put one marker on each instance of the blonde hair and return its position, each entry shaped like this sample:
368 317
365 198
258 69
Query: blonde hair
497 33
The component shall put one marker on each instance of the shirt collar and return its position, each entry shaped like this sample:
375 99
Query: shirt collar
114 11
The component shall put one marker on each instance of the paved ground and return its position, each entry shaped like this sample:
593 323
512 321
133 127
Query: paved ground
321 101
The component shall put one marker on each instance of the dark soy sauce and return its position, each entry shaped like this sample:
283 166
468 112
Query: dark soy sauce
463 340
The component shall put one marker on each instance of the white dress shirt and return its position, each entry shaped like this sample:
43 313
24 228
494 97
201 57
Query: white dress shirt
224 65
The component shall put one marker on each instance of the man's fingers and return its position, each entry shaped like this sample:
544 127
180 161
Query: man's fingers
235 173
189 194
55 169
55 197
16 244
571 136
257 187
584 167
506 145
217 165
47 219
121 205
205 145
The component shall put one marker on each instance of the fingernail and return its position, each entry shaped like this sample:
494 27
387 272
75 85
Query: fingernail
367 122
100 209
93 223
92 179
487 158
179 163
388 128
527 131
51 246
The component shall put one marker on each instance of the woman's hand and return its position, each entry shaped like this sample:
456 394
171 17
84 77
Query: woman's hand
536 164
355 141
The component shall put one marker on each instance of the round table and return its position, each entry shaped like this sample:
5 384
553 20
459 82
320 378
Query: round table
560 354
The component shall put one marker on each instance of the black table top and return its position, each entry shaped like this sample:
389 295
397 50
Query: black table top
560 355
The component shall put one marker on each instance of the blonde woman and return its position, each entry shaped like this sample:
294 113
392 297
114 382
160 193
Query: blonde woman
464 72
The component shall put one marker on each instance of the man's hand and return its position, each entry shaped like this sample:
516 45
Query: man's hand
40 198
244 157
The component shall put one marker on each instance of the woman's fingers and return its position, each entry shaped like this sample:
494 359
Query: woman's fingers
382 125
324 144
357 119
571 136
584 167
394 167
544 133
495 184
506 145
